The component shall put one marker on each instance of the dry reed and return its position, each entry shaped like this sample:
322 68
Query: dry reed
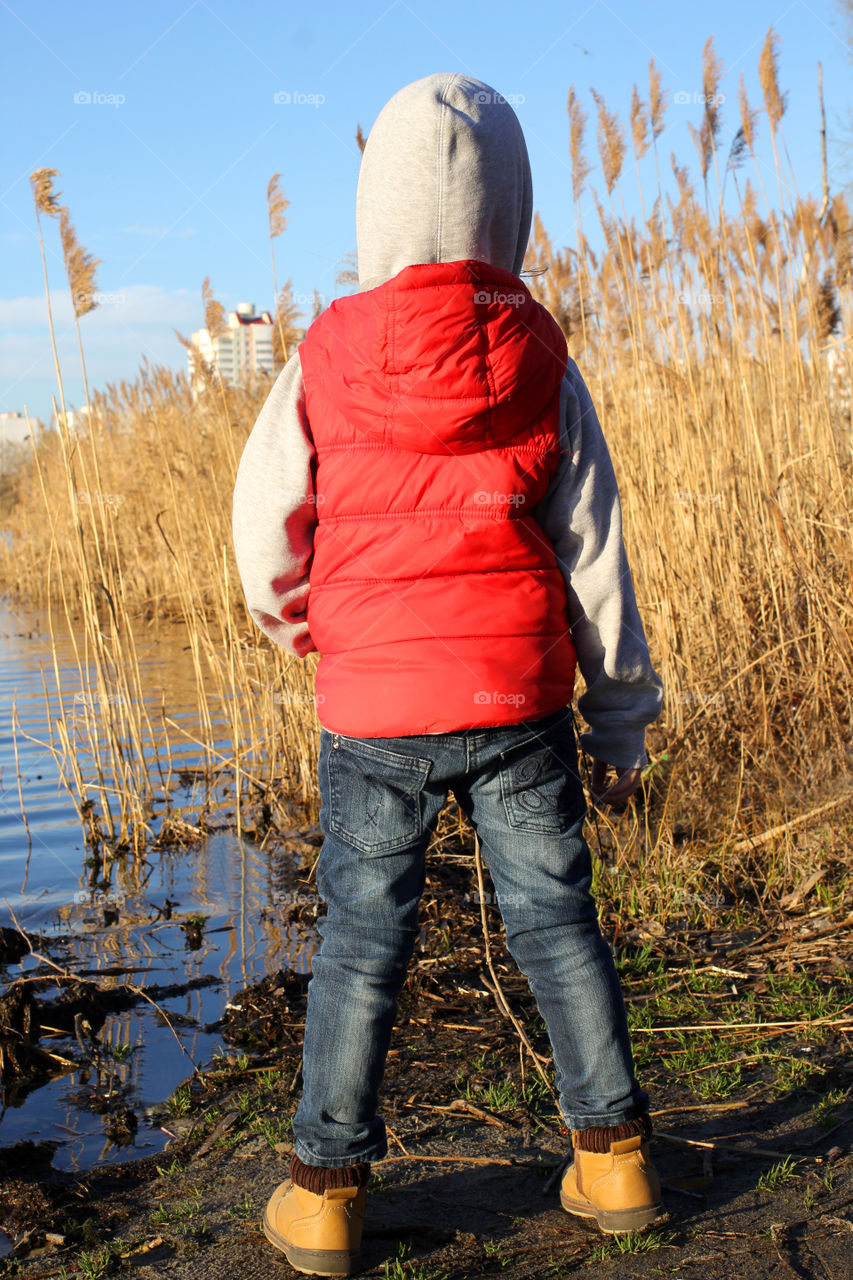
703 330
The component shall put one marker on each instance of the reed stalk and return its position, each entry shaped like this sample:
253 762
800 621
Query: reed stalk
703 330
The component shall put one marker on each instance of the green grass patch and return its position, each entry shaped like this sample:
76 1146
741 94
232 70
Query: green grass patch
180 1103
633 1242
779 1175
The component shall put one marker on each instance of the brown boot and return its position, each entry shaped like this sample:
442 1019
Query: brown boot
320 1235
620 1189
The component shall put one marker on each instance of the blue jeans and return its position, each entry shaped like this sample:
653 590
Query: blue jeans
380 801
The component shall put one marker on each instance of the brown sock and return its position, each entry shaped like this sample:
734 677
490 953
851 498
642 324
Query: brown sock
599 1137
318 1179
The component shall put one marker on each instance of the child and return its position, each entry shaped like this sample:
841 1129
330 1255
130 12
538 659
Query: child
427 500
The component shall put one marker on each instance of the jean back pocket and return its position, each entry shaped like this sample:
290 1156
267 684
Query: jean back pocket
540 785
375 794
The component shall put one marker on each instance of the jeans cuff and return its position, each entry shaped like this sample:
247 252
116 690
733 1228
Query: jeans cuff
605 1118
369 1156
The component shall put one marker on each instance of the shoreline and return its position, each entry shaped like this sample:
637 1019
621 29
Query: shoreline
752 1112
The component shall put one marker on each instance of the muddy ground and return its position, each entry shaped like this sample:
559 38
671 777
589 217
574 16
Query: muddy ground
470 1185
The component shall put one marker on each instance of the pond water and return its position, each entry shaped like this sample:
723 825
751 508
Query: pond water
44 885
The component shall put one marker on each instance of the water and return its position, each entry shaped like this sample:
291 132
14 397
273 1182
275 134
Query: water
43 881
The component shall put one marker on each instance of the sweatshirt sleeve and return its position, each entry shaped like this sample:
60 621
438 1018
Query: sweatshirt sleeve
274 514
582 516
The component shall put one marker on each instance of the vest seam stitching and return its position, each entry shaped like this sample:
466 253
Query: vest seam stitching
538 450
421 577
435 635
488 513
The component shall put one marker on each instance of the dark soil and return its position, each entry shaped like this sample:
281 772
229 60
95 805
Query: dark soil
462 1220
470 1185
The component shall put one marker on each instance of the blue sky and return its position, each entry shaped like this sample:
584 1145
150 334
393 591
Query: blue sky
163 122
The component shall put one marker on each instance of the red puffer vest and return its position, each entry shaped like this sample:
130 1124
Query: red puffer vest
435 597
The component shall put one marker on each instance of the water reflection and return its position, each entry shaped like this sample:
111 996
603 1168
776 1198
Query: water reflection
133 930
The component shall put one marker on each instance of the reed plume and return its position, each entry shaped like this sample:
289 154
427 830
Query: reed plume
200 370
841 226
708 134
712 67
217 327
656 101
828 312
214 312
639 125
46 200
611 142
748 116
80 268
577 125
287 314
277 205
768 71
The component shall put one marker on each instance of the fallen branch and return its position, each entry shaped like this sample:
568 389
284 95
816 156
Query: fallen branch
704 1106
844 1023
754 950
753 842
738 1149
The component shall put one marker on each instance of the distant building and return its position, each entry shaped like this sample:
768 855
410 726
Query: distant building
246 347
76 420
14 427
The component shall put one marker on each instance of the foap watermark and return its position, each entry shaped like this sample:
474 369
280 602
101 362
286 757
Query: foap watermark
695 497
495 899
496 697
103 299
698 698
103 499
295 898
485 499
308 300
698 99
487 297
484 96
295 98
700 298
94 98
687 898
300 699
100 898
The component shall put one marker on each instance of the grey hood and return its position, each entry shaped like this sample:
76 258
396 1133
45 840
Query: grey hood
444 177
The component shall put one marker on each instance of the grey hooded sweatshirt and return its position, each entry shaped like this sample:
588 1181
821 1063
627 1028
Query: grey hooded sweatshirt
445 177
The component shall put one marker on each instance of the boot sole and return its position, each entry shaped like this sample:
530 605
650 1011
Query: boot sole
614 1220
314 1262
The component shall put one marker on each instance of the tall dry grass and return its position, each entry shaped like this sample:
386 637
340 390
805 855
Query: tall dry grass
704 331
702 327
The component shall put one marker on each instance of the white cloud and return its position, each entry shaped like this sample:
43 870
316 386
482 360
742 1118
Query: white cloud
125 305
130 323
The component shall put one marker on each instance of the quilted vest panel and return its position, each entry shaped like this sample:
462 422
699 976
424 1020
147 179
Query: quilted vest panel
435 598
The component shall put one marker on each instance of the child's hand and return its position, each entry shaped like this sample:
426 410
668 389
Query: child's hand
616 794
